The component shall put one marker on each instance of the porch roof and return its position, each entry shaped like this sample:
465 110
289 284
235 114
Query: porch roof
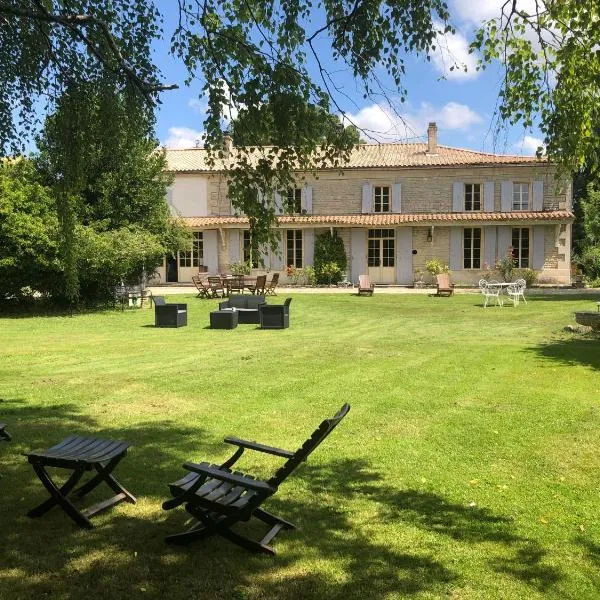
388 219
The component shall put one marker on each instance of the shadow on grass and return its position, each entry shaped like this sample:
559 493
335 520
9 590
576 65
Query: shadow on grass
335 553
582 349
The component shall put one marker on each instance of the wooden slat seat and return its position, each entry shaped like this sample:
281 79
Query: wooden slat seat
219 497
80 454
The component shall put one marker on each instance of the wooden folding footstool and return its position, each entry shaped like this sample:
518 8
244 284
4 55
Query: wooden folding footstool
80 454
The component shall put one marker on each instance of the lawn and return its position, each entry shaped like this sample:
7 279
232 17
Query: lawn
467 468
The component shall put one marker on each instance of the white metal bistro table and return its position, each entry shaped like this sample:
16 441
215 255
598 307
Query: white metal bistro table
502 286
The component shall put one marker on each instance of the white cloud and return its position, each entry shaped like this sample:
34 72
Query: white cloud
182 137
383 124
475 12
198 105
451 56
529 144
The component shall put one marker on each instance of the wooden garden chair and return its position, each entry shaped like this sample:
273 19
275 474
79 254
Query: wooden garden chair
216 286
444 287
259 287
201 285
270 287
365 286
219 497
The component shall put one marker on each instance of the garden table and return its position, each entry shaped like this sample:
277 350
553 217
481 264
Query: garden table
80 454
501 285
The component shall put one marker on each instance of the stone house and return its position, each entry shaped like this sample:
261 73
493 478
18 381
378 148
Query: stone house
395 206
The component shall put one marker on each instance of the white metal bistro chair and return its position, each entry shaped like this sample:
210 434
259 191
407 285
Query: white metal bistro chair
521 286
489 291
513 293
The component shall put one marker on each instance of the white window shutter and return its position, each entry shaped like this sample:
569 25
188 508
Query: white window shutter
211 251
488 197
456 248
506 196
504 240
489 245
366 198
278 258
308 245
358 246
278 201
404 255
458 196
307 199
397 198
538 196
538 232
234 246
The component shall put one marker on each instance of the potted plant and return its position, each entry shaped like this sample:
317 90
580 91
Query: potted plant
418 279
435 267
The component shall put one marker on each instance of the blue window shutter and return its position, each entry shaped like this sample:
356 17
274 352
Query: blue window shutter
506 196
308 246
504 240
538 232
366 199
489 245
538 196
488 196
456 248
234 246
307 197
397 198
358 245
211 251
278 257
404 255
458 196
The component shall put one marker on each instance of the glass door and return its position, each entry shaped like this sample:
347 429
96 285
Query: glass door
381 252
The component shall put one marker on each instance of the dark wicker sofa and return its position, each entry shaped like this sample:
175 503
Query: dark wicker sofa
246 306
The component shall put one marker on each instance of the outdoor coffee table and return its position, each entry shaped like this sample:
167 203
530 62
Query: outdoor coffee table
80 454
224 319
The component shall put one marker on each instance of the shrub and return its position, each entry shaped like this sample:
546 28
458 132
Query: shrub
435 267
329 249
330 271
506 265
529 275
240 268
590 262
310 276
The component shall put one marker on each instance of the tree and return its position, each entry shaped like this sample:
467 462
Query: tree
551 64
591 216
29 255
48 45
98 155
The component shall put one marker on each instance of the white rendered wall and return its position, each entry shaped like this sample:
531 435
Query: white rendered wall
188 196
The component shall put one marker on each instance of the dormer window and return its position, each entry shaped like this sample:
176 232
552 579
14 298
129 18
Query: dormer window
472 197
381 199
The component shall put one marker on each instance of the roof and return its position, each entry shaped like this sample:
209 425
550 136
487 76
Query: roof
362 157
383 220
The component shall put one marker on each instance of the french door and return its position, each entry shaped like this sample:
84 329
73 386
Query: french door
381 254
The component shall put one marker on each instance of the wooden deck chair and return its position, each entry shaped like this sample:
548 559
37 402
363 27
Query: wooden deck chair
444 287
219 497
201 284
270 287
365 286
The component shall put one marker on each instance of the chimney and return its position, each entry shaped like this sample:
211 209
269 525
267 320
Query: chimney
227 144
432 138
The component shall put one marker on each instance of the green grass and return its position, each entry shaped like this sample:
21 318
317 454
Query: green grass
468 467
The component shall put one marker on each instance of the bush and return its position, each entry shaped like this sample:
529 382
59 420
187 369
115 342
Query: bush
329 249
590 262
330 271
310 276
529 275
435 267
240 268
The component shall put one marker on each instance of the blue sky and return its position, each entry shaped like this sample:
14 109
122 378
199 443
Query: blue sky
461 103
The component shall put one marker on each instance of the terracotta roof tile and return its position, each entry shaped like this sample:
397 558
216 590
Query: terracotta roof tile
367 156
380 220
